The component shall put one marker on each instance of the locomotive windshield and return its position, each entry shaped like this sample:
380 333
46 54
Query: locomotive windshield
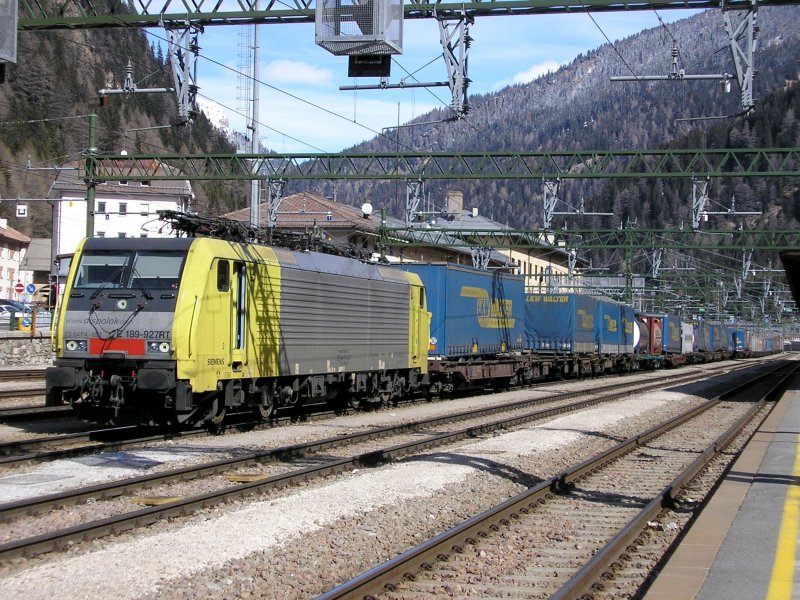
135 269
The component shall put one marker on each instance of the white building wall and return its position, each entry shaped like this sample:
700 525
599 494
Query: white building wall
10 258
137 218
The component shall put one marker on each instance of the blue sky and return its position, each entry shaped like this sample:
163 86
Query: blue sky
303 110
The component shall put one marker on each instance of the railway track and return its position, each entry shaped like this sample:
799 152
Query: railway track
34 413
72 445
22 393
238 484
595 530
22 374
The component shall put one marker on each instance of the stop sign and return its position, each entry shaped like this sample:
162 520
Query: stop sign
19 288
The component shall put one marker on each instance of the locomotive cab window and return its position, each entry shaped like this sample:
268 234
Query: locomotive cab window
102 269
223 276
134 270
156 270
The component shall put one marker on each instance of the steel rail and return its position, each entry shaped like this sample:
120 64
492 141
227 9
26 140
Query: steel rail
7 374
100 439
12 453
382 577
21 393
111 489
88 531
34 413
600 562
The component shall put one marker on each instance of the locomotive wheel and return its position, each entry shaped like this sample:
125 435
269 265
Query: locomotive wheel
216 412
265 409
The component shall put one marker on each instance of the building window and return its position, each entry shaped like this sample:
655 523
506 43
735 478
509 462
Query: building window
123 208
123 182
101 207
145 184
145 209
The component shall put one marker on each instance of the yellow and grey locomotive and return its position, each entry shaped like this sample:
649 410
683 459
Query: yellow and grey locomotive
183 329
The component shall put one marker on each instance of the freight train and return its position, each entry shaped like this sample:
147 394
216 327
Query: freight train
494 334
182 330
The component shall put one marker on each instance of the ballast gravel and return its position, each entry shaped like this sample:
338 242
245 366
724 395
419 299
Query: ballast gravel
306 540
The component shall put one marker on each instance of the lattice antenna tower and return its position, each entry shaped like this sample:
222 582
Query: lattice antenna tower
244 80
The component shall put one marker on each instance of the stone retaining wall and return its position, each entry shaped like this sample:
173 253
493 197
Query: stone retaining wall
20 349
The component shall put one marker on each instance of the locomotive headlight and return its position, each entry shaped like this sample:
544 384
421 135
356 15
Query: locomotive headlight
158 347
77 345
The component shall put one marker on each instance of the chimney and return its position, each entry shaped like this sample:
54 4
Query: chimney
455 203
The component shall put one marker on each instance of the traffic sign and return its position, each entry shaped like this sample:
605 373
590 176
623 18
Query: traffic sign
30 288
19 288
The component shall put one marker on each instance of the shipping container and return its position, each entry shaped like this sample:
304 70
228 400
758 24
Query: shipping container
719 337
651 339
609 327
473 312
671 341
702 337
563 323
687 338
737 339
629 329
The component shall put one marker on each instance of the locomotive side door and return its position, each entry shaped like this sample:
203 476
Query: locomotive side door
239 321
419 329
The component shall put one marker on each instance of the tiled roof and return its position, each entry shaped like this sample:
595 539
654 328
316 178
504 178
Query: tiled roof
305 210
37 258
11 234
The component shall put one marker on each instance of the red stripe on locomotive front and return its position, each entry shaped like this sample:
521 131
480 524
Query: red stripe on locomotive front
131 346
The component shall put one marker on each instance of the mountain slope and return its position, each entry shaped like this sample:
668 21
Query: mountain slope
48 95
578 107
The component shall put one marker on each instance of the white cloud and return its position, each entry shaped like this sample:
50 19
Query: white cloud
285 71
536 71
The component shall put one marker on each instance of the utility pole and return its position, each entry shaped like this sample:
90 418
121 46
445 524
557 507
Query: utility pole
90 178
255 184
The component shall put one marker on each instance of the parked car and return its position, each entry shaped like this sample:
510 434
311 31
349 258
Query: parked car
15 305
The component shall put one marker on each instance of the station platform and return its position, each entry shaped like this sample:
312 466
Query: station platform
744 544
